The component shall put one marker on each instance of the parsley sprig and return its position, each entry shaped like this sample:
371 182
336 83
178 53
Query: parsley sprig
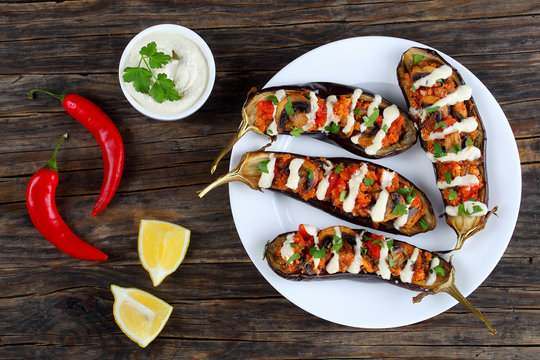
163 87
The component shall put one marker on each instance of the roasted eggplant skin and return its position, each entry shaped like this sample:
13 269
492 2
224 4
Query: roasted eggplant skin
417 266
464 225
323 90
249 172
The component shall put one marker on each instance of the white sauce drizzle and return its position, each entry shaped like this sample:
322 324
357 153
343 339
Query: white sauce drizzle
384 269
433 275
379 209
442 72
470 153
408 271
357 262
323 185
466 125
330 118
371 108
294 176
333 264
466 180
402 219
265 181
468 205
312 114
272 128
313 231
286 249
350 118
354 188
390 114
462 93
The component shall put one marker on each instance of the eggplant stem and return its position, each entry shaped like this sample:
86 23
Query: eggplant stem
234 175
245 126
462 237
451 289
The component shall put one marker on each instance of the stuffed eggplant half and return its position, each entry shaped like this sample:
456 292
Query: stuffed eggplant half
357 120
357 191
339 251
452 134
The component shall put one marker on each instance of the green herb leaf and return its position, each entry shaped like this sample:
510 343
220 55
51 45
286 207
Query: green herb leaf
368 181
265 247
339 168
296 131
413 88
310 173
400 209
367 238
263 166
292 258
390 244
163 89
358 111
317 253
332 128
439 269
456 148
343 195
469 142
403 190
270 132
476 209
437 150
273 99
148 50
364 251
452 194
424 224
338 243
440 80
417 58
369 121
448 177
440 124
308 96
378 242
432 109
158 59
288 107
385 128
462 210
140 78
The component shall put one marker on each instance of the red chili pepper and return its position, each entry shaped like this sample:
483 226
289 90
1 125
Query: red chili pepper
107 136
42 209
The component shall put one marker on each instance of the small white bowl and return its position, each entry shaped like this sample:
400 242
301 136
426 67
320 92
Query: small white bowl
188 34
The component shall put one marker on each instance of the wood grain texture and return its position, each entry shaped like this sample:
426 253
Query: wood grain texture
55 307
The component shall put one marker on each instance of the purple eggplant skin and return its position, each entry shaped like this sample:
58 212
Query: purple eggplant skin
463 231
275 262
325 89
329 208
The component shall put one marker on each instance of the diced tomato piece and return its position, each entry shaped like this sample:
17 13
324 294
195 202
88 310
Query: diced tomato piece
321 115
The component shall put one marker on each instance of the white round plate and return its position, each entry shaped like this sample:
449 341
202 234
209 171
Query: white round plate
370 63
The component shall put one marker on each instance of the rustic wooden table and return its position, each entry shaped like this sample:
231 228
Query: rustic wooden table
55 307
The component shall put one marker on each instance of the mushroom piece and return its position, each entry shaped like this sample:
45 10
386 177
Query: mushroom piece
300 104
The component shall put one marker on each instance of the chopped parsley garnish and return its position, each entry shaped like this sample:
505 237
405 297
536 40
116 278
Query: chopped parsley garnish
368 181
408 194
476 209
296 131
413 88
378 242
358 111
452 194
338 243
440 80
456 148
270 132
389 245
343 195
332 128
469 142
385 128
317 253
308 95
448 177
292 258
263 166
370 120
438 269
403 190
400 209
310 173
364 251
293 245
367 238
417 58
265 247
440 124
432 109
288 107
339 168
424 224
437 150
273 99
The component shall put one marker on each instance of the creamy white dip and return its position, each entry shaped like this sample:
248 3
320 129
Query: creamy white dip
187 68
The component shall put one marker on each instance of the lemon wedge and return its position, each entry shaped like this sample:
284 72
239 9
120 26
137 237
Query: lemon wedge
162 248
140 315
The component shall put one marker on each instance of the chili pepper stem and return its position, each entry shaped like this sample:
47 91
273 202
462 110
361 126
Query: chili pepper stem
245 126
58 96
51 164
